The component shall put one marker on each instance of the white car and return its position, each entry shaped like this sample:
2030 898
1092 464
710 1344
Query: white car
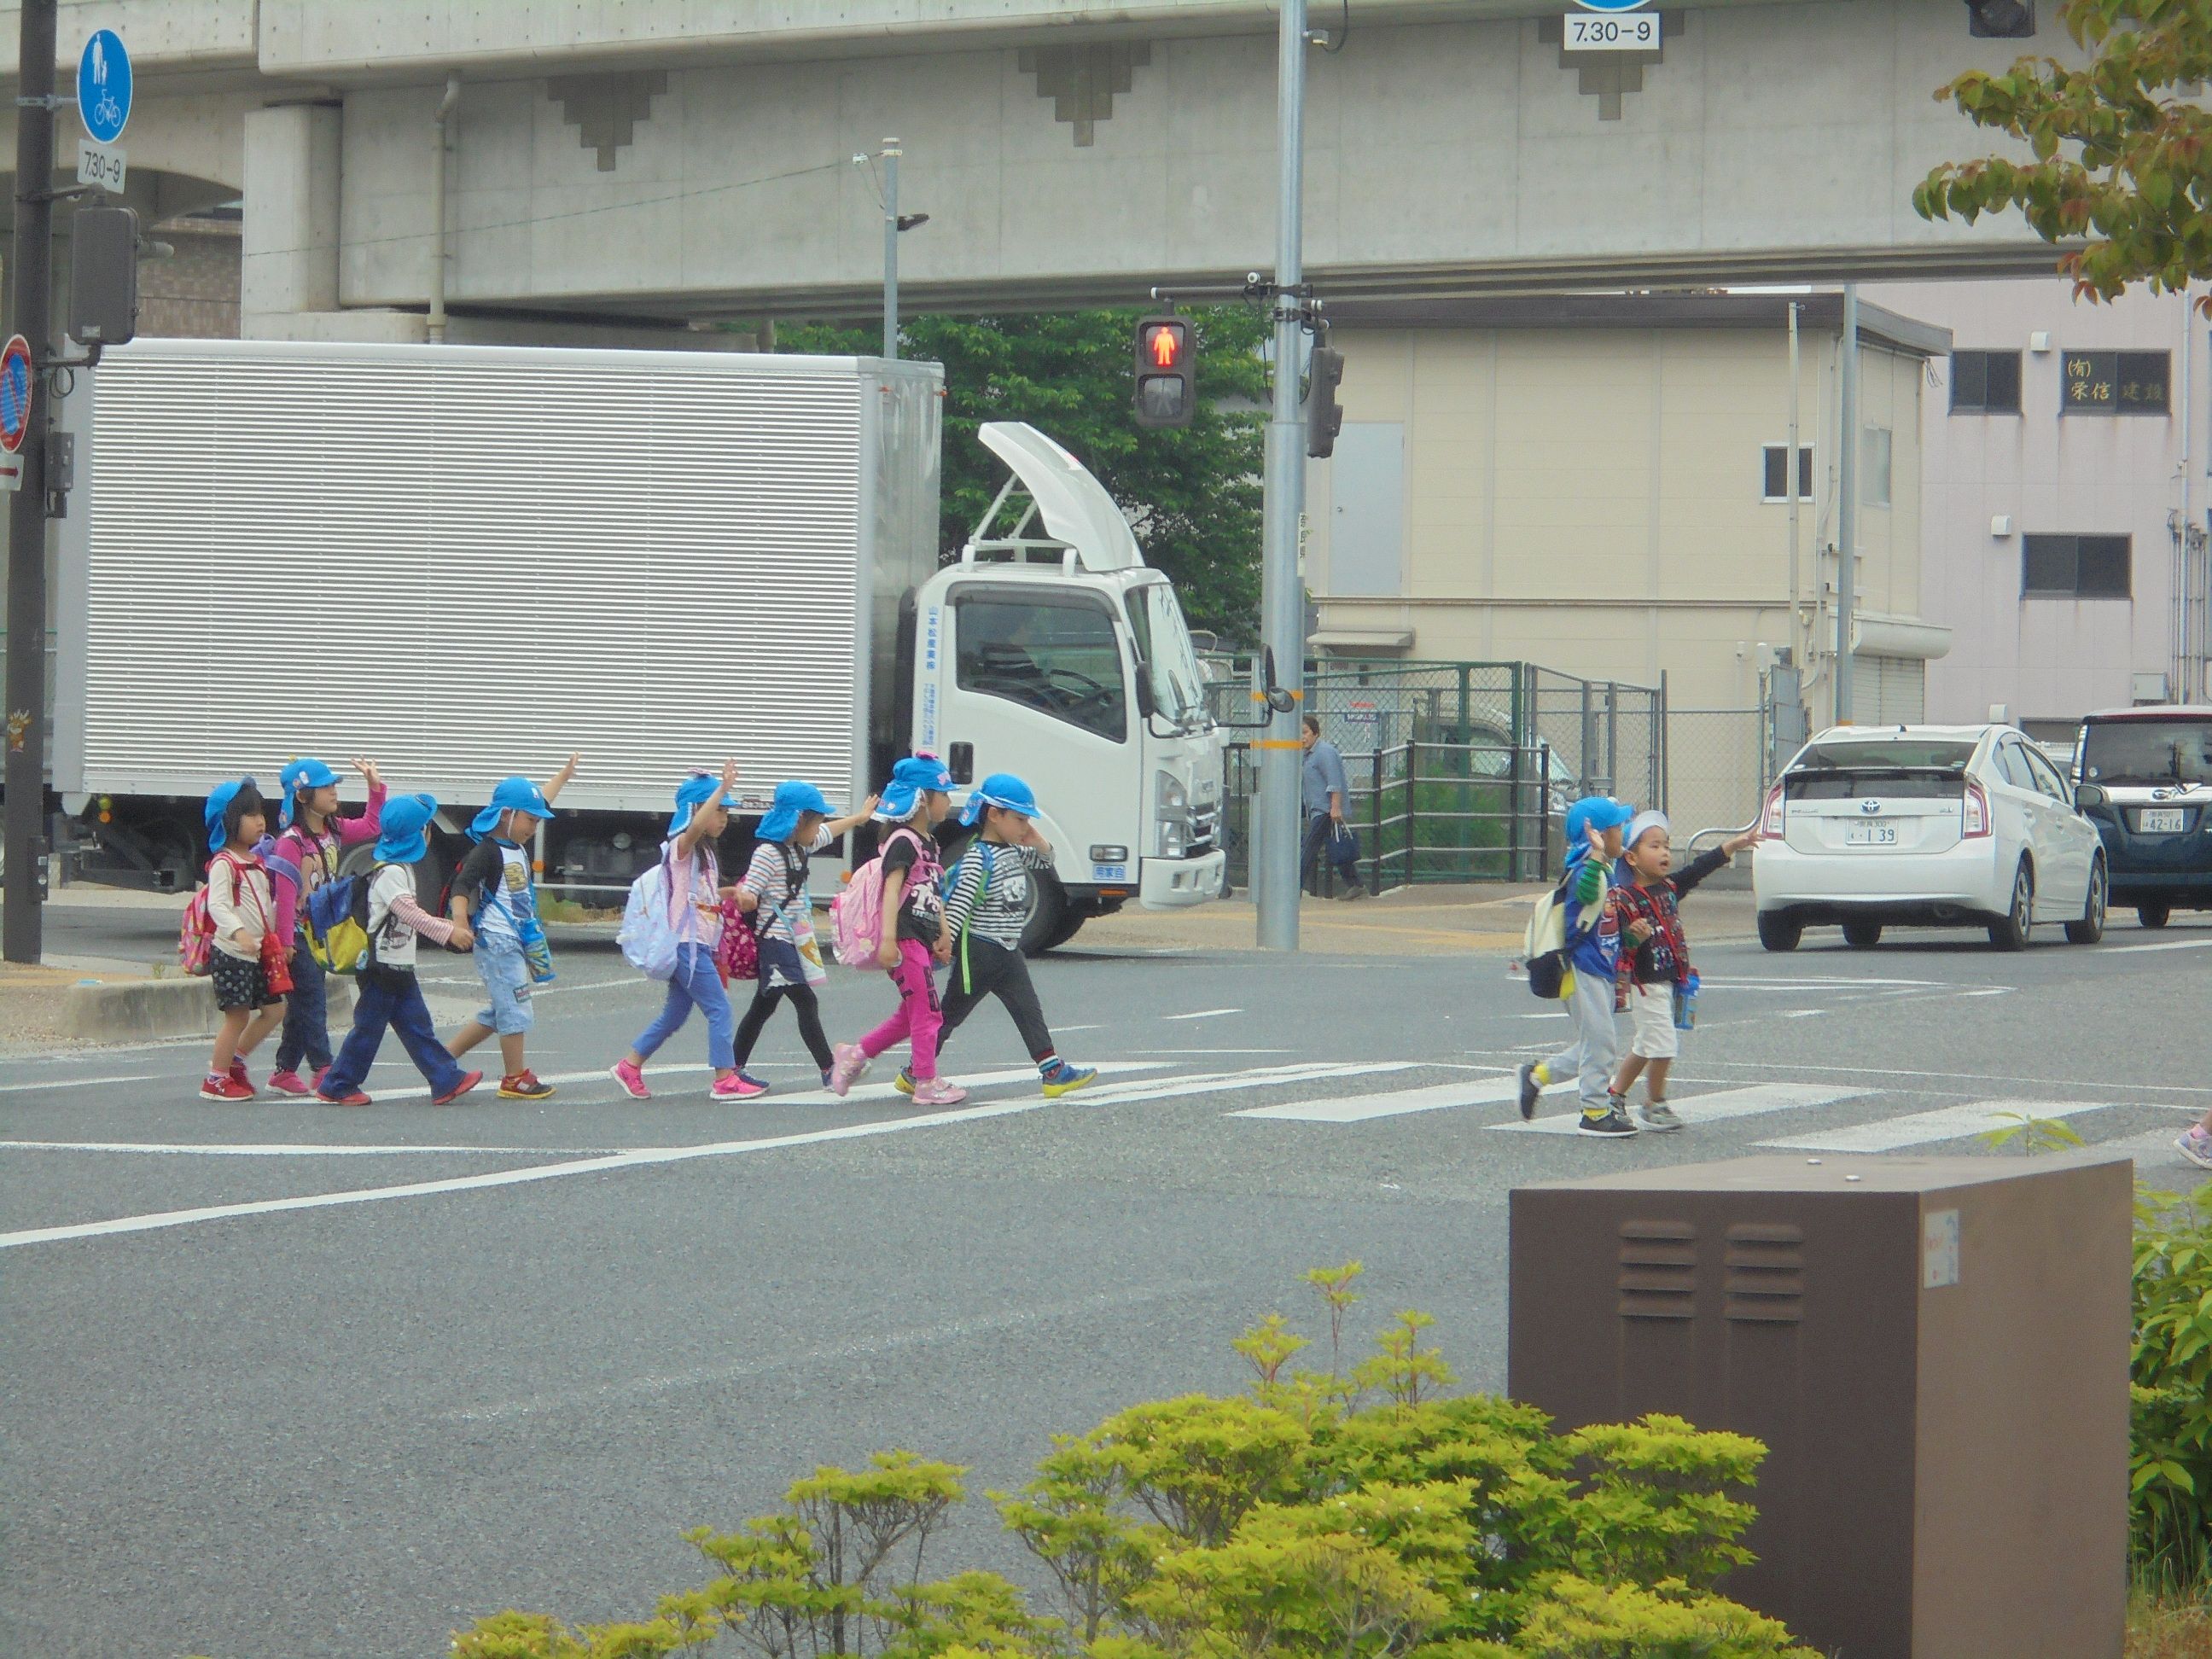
1942 826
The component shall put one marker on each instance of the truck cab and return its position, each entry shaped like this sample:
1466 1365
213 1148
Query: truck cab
1052 651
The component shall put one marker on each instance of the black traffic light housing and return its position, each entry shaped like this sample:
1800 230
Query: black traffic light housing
104 276
1166 391
1324 418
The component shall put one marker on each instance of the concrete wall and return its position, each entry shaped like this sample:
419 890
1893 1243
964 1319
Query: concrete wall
2048 658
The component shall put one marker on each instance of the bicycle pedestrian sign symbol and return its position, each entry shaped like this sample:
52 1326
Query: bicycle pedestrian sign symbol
103 87
15 394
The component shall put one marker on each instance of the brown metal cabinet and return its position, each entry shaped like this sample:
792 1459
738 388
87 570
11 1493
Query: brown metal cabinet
1934 1349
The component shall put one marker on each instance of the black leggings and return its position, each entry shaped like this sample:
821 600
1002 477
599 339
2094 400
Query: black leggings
993 970
801 997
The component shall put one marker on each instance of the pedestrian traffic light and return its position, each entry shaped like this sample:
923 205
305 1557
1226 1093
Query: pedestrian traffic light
104 276
1166 393
1324 419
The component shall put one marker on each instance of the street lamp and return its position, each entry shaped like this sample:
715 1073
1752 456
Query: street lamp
893 222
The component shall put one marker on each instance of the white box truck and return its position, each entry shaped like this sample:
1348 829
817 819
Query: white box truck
465 562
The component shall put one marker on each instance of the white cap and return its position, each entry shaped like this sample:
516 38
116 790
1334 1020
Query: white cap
1652 819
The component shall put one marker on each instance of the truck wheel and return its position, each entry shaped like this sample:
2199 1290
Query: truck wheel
1776 932
2091 927
2154 915
1861 935
1048 908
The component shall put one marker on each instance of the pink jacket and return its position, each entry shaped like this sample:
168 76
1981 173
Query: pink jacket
299 862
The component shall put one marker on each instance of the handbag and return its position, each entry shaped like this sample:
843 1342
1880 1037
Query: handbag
737 956
275 953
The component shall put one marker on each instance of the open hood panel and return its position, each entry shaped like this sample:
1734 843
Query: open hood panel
1075 506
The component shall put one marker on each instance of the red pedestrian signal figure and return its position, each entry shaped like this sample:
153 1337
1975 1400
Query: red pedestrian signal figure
1165 394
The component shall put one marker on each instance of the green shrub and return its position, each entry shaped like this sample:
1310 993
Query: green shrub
1337 1514
2170 1458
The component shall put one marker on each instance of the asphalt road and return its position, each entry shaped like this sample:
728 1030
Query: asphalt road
280 1381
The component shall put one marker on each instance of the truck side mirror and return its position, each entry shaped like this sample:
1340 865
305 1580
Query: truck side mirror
1146 703
2088 795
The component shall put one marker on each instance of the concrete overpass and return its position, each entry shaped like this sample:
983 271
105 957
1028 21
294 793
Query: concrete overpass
685 160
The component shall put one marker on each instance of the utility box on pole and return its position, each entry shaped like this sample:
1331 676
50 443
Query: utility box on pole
1934 1351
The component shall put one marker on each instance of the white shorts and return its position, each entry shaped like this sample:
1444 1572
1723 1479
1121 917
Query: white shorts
1651 1007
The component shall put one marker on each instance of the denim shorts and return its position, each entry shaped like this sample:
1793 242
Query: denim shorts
506 974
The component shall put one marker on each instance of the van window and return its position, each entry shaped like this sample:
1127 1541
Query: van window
1056 655
2148 751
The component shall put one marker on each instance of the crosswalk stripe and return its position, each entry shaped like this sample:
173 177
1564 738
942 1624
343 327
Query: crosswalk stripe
1923 1128
1206 1082
1359 1108
1758 1098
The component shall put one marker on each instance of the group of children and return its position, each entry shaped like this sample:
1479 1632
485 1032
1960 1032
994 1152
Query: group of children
259 891
1627 953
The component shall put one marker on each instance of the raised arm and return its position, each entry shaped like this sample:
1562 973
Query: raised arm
559 781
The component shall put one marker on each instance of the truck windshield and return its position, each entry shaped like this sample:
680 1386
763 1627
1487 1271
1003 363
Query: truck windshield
1164 647
2147 751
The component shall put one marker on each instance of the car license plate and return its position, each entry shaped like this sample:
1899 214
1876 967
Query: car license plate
2161 820
1870 835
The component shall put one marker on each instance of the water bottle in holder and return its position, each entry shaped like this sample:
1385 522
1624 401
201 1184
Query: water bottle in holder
1685 1003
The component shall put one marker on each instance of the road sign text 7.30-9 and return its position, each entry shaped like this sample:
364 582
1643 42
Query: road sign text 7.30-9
1617 32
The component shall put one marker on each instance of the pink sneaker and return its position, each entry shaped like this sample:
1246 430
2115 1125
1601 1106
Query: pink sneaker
736 1086
936 1092
287 1083
847 1065
632 1081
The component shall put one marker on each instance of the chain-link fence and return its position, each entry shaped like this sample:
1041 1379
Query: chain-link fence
1718 766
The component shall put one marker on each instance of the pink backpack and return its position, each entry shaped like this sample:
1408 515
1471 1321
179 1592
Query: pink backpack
856 914
195 939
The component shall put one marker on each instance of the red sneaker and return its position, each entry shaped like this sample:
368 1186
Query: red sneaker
238 1075
224 1087
287 1083
357 1098
469 1080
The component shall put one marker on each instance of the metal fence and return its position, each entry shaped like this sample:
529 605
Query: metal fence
1719 762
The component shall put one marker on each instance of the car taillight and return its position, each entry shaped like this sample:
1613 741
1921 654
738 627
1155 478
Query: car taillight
1976 808
1770 817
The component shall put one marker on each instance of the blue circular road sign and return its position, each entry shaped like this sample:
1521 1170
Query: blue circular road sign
15 394
103 87
1612 5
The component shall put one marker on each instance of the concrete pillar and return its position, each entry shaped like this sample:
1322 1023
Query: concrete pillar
291 231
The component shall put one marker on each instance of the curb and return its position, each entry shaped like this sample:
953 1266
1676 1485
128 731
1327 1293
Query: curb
137 1010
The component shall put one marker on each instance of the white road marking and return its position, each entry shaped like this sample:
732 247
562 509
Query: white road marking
2168 945
2123 1085
1758 1098
52 1084
1944 1124
1207 1051
1204 1013
1803 1013
1222 1082
215 1149
1360 1109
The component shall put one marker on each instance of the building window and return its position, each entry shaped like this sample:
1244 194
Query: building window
1874 466
2077 566
1774 472
1985 383
2116 382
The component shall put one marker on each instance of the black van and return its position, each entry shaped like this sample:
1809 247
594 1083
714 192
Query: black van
2143 776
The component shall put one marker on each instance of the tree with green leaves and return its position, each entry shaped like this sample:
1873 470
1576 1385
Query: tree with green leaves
2118 151
1191 494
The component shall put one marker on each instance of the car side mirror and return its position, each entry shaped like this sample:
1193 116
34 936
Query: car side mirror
1146 703
2087 795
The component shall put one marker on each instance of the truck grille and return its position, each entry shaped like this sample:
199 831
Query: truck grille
1205 829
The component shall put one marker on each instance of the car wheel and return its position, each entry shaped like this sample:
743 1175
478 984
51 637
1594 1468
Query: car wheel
2091 927
2011 934
1861 935
1777 931
2153 915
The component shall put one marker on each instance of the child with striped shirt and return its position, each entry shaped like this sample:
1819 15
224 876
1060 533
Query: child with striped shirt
984 916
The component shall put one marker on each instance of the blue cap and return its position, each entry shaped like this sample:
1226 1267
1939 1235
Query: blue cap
405 837
911 778
510 795
218 805
305 772
1599 812
1000 789
791 798
691 794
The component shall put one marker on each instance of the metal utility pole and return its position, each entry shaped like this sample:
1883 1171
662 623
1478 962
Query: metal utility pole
890 247
1282 596
1796 487
32 274
1847 502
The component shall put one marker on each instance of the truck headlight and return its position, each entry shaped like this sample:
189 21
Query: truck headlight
1169 792
1171 814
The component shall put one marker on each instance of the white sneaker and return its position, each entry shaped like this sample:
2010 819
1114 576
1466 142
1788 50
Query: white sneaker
2196 1146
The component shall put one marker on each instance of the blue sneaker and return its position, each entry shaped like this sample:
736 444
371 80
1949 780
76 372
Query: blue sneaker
751 1082
1065 1079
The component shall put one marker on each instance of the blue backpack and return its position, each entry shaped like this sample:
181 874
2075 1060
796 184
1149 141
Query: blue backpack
337 923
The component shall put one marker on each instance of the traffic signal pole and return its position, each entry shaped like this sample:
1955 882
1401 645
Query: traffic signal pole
32 276
1282 596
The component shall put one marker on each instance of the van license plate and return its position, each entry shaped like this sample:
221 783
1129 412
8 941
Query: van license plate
2161 820
1870 835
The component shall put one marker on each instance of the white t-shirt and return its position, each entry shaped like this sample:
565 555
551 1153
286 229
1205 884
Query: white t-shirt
769 876
395 939
696 879
497 921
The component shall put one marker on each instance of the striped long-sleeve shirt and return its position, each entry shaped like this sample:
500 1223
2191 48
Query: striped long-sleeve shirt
991 893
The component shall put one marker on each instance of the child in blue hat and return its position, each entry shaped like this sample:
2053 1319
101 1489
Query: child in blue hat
494 896
389 997
244 912
1593 837
913 803
984 916
311 839
773 890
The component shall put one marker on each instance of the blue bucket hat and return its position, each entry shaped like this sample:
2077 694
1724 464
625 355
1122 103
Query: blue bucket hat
691 794
911 778
999 789
1599 812
218 808
405 837
792 798
510 795
305 772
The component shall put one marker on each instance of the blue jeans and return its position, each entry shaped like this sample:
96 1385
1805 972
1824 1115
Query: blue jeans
389 997
505 975
694 983
306 1034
